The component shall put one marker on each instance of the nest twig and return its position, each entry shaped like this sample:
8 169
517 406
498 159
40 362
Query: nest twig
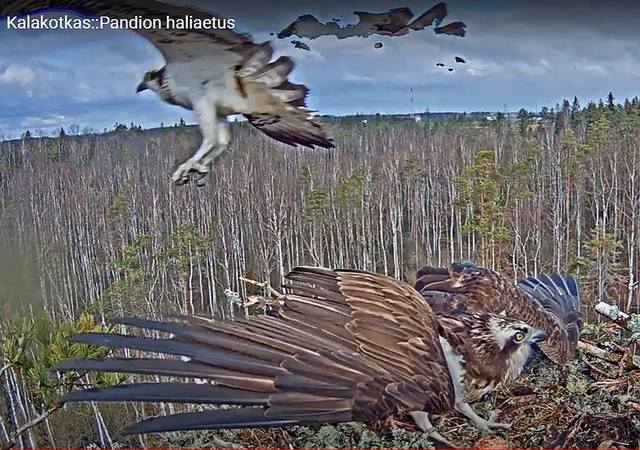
257 299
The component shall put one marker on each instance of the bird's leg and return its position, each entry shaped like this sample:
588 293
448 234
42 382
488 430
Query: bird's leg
482 424
223 137
207 121
421 419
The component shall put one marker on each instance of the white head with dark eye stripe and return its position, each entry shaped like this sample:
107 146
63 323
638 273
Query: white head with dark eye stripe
153 80
515 341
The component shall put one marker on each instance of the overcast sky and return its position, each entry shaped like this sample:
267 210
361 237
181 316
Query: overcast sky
519 53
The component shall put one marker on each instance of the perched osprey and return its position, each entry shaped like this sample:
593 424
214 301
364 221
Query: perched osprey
347 346
550 303
215 73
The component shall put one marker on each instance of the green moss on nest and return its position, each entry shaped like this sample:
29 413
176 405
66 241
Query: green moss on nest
356 435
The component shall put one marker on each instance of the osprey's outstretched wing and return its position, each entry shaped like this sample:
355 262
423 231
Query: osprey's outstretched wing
348 346
550 303
274 104
174 44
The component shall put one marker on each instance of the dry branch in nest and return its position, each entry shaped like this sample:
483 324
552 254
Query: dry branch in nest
622 356
612 312
623 359
275 298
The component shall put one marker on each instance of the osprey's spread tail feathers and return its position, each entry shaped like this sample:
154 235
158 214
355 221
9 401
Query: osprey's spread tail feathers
560 295
289 122
297 127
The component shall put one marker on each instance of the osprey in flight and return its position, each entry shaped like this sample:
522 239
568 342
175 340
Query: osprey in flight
550 303
347 346
215 73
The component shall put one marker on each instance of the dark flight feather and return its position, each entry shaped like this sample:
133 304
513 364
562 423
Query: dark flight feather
209 420
170 392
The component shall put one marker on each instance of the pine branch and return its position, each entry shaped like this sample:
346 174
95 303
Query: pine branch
27 426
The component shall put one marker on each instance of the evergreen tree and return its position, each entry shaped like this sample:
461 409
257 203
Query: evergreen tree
523 121
611 102
575 108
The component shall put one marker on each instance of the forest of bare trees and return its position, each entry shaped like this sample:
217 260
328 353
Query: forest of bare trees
90 226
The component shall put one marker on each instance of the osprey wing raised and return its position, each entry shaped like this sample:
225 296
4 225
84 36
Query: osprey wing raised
550 303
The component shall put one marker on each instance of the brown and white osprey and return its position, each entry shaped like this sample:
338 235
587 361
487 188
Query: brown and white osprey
214 72
347 346
549 303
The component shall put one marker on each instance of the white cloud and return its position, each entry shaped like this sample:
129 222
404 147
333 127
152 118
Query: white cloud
44 122
356 78
18 74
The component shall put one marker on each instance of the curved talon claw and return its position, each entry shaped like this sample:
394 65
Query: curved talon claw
181 181
491 422
201 181
182 175
493 427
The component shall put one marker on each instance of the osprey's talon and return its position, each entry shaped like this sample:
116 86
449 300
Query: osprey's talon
491 422
421 419
201 180
499 425
181 181
492 427
181 175
435 436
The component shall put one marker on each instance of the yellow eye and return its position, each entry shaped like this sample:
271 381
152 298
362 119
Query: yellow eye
518 337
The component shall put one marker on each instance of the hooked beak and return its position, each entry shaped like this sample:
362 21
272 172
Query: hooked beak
142 87
539 336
